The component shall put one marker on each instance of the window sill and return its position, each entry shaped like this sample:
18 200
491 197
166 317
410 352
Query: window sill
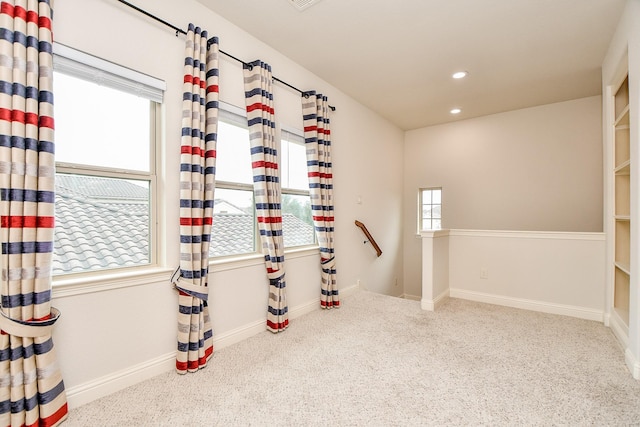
250 260
79 284
86 284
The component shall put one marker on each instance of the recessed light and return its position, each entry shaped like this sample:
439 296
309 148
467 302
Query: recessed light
455 111
460 74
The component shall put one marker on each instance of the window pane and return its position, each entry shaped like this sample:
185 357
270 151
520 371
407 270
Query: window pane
95 125
436 212
101 223
430 209
294 165
233 230
436 197
233 158
297 224
426 197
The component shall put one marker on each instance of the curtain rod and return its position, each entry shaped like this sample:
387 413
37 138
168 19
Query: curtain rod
179 30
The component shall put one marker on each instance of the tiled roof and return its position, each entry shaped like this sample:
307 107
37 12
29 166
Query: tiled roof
92 235
233 233
96 229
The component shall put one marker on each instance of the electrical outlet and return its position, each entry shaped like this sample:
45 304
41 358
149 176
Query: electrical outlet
484 273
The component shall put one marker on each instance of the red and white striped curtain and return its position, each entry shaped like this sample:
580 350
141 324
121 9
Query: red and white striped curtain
317 138
31 388
197 185
258 84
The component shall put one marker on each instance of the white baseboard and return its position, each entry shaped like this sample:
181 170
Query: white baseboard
533 305
411 297
350 290
95 389
619 329
633 364
432 305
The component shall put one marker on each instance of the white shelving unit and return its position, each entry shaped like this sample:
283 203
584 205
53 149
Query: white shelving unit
621 201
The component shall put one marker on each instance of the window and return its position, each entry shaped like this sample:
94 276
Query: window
297 222
431 209
234 219
106 119
234 230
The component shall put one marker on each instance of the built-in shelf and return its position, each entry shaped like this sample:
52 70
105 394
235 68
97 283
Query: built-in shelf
621 203
622 120
623 169
624 267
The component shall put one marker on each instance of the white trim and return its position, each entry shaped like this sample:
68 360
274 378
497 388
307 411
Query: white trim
411 297
434 234
103 386
240 112
633 364
432 305
349 291
70 285
619 328
91 68
235 262
526 304
562 235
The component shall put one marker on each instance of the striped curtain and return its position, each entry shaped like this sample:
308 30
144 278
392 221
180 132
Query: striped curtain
197 184
258 83
31 387
317 138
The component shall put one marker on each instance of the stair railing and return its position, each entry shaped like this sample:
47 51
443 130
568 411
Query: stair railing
370 238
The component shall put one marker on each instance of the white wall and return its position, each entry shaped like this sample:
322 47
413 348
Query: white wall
554 272
535 169
624 51
116 336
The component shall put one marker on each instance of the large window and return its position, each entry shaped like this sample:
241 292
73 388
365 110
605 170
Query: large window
297 223
430 209
106 118
234 223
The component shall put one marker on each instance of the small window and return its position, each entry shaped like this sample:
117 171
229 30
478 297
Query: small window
297 222
431 209
105 164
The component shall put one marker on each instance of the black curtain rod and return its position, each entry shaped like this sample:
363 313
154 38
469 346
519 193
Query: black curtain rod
179 30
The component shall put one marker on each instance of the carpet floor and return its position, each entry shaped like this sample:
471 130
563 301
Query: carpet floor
382 361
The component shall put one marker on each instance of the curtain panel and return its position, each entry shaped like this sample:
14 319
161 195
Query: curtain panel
317 138
197 185
31 387
258 84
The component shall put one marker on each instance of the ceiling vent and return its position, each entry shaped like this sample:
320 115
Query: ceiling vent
302 4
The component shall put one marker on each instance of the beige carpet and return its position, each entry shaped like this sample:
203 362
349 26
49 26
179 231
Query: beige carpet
382 361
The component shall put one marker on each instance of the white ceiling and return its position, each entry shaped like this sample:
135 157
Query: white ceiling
397 56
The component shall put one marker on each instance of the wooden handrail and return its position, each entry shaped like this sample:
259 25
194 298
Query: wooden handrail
369 237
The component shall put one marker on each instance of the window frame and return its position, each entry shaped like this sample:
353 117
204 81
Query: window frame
233 259
81 65
230 109
295 191
421 205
